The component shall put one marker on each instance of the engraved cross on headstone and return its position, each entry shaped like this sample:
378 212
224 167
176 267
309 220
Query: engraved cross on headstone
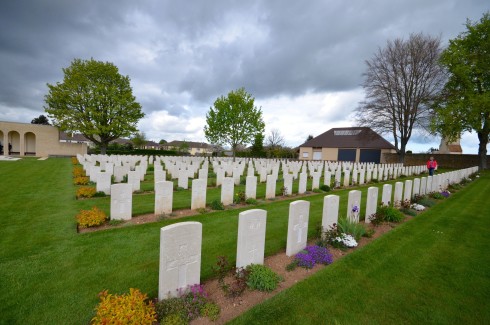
299 227
184 259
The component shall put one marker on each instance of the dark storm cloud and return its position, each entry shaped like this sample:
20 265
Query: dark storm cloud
182 55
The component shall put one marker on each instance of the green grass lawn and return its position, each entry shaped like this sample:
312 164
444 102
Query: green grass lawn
49 274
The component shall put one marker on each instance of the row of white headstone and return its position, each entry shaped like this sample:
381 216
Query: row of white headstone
180 243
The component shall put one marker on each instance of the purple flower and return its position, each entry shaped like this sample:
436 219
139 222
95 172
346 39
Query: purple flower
312 255
355 208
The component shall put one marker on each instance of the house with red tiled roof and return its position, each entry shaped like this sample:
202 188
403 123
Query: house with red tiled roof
358 144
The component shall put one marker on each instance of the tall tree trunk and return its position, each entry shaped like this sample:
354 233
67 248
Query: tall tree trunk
482 150
401 152
103 148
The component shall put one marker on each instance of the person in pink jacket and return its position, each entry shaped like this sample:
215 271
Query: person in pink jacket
431 166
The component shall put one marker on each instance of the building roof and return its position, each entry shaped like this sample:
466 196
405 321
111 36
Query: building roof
191 144
352 137
73 137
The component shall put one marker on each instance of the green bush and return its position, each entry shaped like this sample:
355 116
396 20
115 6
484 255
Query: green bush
99 194
251 201
386 214
239 197
374 180
262 278
325 188
436 195
216 205
408 211
427 202
356 230
211 311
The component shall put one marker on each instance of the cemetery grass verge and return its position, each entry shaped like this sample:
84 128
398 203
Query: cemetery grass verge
430 270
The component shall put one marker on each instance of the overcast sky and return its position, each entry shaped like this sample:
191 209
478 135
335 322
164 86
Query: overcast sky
301 60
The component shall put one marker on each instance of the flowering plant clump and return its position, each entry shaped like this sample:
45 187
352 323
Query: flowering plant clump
312 255
91 218
86 192
346 240
78 172
445 193
191 303
131 308
74 161
80 180
418 207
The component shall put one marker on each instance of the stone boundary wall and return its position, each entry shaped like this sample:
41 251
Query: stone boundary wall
443 160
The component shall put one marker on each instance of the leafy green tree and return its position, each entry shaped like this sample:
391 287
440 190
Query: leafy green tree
257 148
43 120
184 147
162 141
309 137
95 100
139 139
464 104
234 120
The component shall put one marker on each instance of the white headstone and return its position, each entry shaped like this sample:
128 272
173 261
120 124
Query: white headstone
227 190
299 212
416 187
330 211
183 179
121 201
372 203
303 177
423 185
198 200
251 187
270 189
134 180
386 197
251 237
397 197
164 192
407 193
288 184
346 178
103 182
354 205
180 258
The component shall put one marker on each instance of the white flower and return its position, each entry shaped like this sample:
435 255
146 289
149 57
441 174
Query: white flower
346 240
418 207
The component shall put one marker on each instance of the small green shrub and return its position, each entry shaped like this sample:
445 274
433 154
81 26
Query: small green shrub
211 311
436 195
427 202
357 230
239 197
115 222
239 276
374 180
386 214
202 210
262 278
151 168
99 194
132 308
189 305
402 176
325 188
292 266
216 205
408 211
173 319
251 201
243 181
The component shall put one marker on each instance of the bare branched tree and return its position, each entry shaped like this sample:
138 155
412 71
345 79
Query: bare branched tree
401 83
274 141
